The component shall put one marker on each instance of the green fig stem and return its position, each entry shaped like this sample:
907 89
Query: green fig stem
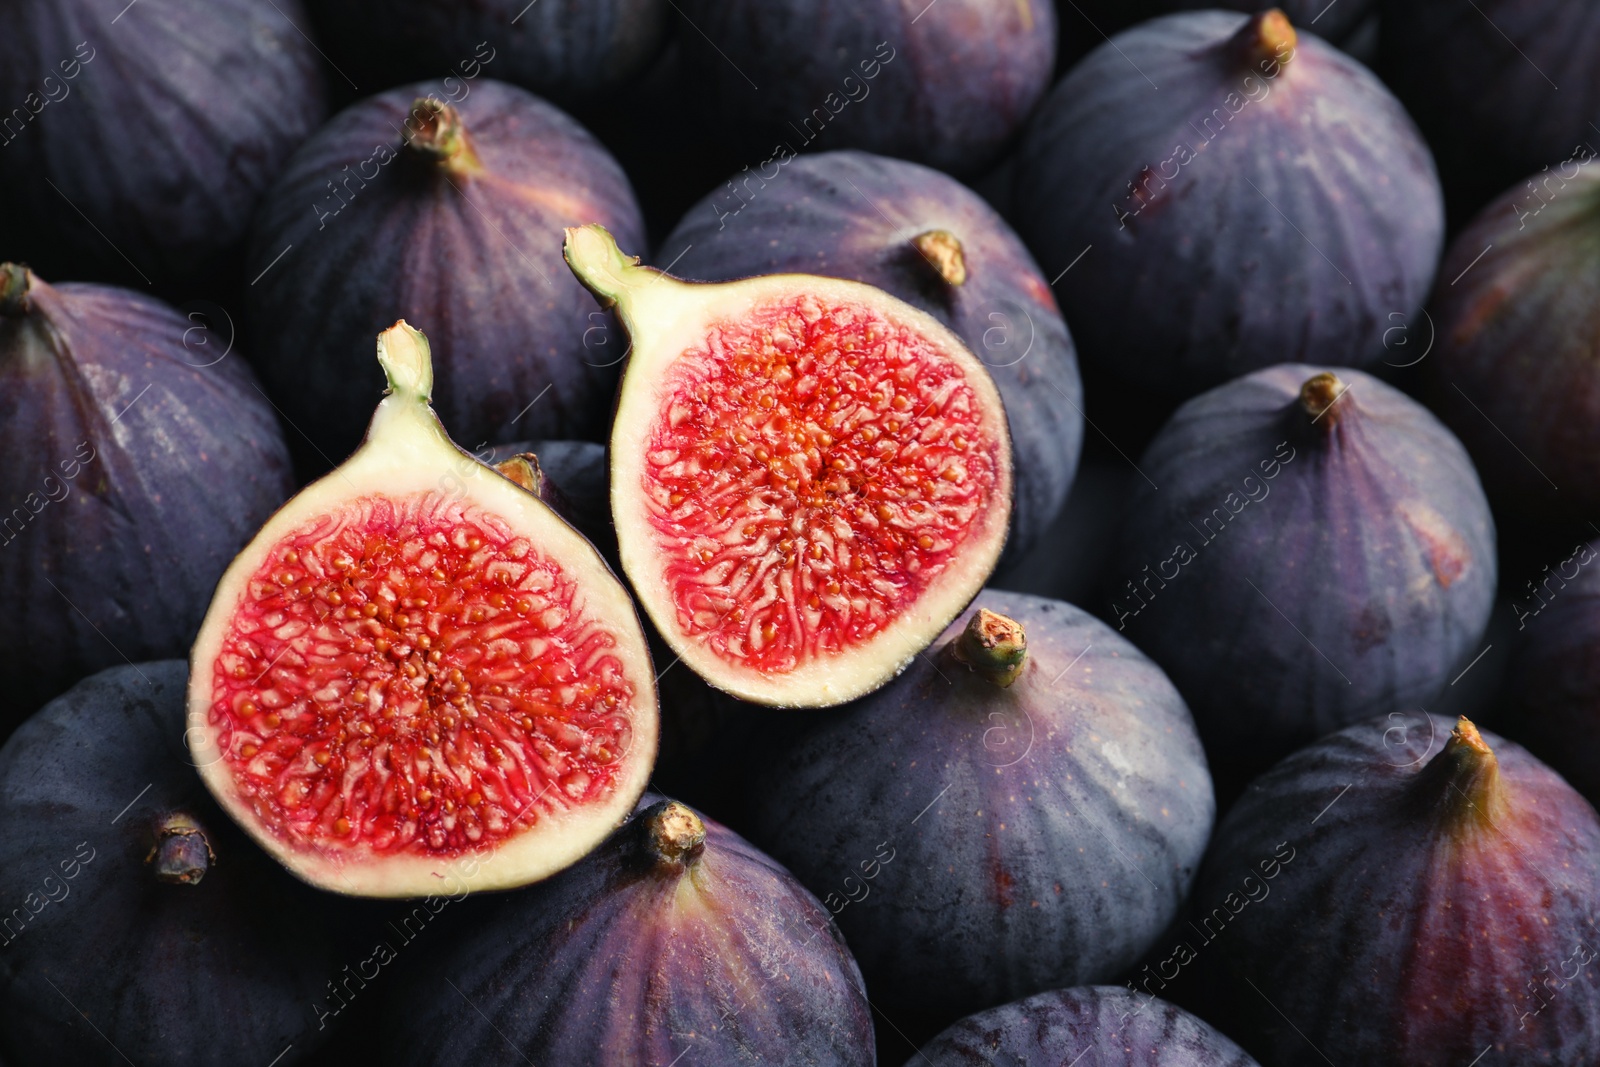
1320 396
942 249
15 281
613 277
1266 42
994 646
181 855
673 833
434 131
1462 783
407 362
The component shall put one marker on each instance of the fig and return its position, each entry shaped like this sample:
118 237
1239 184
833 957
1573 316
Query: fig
1122 1028
417 670
140 458
933 243
1336 22
567 52
447 215
1272 202
570 476
1553 680
675 934
1025 809
140 925
136 144
1512 370
949 84
1319 550
809 477
1406 893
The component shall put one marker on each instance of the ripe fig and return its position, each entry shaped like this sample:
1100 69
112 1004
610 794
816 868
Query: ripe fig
1272 202
1025 809
138 925
141 456
946 84
675 937
417 667
571 476
1063 1026
1512 371
935 244
1319 550
137 143
809 478
1433 903
446 215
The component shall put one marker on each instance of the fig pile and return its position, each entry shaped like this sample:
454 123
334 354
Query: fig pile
970 532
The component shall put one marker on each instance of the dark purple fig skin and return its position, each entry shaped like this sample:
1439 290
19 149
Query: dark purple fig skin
473 260
1514 360
629 959
981 843
566 50
141 456
578 486
109 965
146 166
1351 571
1332 22
853 215
1088 1026
946 85
1417 915
1211 278
1553 680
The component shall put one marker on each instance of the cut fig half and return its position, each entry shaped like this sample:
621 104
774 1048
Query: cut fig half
809 477
418 679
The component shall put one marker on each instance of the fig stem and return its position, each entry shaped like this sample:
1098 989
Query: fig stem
674 834
1320 394
1463 781
613 277
1266 42
15 281
994 646
181 855
434 131
523 468
407 362
942 249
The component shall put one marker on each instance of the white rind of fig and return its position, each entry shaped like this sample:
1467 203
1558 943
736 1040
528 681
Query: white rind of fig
665 317
406 451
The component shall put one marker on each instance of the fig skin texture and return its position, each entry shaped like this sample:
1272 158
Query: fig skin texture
1272 202
1433 903
979 842
935 244
1553 681
214 967
163 130
676 932
564 51
459 235
572 478
946 85
1297 572
1122 1028
141 455
1513 366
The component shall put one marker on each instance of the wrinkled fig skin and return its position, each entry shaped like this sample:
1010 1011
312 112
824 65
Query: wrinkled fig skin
216 973
138 463
577 486
1515 354
854 215
944 85
163 130
628 957
561 49
1122 1028
472 257
1554 677
1192 276
1424 917
1293 576
983 843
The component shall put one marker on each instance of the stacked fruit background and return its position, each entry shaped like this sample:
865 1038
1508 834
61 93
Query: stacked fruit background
911 531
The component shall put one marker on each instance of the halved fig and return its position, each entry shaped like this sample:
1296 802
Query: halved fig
809 477
418 673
